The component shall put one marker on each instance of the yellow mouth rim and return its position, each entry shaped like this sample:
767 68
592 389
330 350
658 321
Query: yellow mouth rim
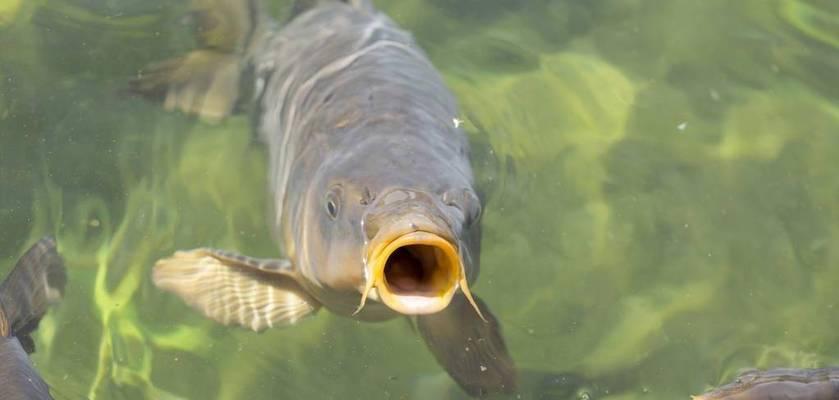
412 305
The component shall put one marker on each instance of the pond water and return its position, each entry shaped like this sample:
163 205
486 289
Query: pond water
662 202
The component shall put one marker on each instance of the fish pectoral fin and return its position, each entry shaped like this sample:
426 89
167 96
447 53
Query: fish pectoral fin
36 281
268 265
203 82
207 81
225 24
470 349
234 289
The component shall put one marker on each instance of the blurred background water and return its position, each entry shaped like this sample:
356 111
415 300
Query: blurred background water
662 182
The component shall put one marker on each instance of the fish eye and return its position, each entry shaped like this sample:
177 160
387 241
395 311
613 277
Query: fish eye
333 203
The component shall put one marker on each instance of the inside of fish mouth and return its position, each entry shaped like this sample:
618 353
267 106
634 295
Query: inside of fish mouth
417 269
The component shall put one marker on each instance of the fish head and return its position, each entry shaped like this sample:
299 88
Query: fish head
419 247
406 237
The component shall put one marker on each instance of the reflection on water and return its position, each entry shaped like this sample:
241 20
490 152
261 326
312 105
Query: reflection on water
661 178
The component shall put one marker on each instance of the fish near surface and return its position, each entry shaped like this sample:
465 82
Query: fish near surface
36 281
780 384
372 189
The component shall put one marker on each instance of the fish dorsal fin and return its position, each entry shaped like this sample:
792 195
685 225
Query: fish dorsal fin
234 289
36 281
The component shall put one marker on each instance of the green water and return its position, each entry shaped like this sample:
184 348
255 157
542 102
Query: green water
663 182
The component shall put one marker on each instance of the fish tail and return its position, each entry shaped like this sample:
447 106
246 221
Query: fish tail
36 281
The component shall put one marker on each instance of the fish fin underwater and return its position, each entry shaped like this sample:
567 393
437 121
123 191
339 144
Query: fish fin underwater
35 283
234 289
471 350
199 83
207 81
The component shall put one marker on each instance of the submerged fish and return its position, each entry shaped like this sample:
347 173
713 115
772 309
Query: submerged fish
36 281
372 189
781 383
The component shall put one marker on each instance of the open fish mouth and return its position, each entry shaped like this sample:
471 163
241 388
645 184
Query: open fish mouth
415 273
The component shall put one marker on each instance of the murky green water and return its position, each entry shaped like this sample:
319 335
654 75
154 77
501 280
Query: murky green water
663 198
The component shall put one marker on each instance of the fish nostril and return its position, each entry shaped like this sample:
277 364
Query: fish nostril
367 197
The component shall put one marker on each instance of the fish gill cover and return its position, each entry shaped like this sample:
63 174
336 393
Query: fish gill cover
662 209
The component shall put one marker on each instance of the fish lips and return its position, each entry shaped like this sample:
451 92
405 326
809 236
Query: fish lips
416 272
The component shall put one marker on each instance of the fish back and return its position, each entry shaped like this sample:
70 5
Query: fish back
338 76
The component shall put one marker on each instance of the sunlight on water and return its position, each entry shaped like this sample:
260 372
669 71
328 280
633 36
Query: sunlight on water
662 199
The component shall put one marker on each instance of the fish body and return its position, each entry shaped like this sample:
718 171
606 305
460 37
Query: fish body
36 281
358 111
371 186
780 383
